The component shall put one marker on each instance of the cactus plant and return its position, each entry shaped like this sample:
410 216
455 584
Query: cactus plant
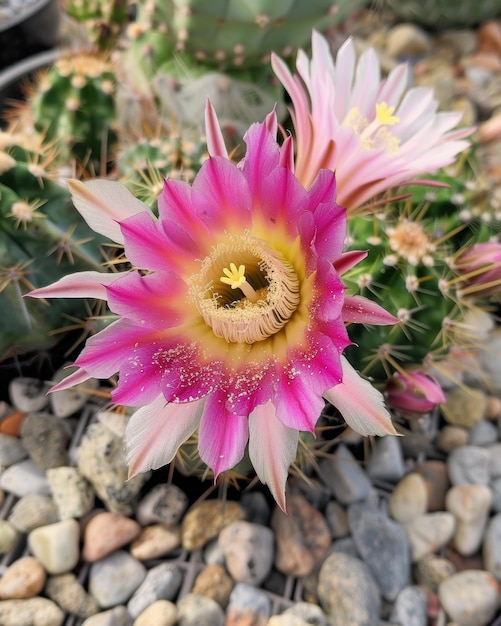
40 236
103 20
73 106
446 13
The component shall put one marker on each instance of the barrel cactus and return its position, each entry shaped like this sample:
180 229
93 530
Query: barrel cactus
446 13
41 236
73 106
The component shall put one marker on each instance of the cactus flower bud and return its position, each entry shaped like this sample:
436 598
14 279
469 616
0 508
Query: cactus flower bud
480 269
413 392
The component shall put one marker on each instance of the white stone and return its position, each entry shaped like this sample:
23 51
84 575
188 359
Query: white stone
470 505
23 478
56 546
28 394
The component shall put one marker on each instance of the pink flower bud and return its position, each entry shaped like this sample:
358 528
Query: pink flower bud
480 268
413 392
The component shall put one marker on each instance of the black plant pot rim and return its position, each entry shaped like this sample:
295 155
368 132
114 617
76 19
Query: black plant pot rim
11 78
23 15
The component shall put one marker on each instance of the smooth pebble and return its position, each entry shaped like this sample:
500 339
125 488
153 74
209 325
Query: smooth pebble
106 532
9 536
214 582
24 578
56 545
429 532
155 541
23 478
164 504
205 520
491 548
248 605
45 438
117 616
28 394
33 510
159 613
470 597
409 499
30 612
410 607
248 550
160 583
386 461
115 578
70 595
344 476
469 465
11 450
470 505
194 610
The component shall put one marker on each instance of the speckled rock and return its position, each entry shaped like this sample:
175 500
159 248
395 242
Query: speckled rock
45 438
383 546
160 613
28 394
432 569
106 532
69 594
33 510
451 437
470 598
247 605
194 610
155 541
302 536
347 591
345 477
213 582
248 550
164 504
465 406
205 520
101 460
430 532
115 578
9 536
31 612
161 583
409 499
24 578
56 546
72 494
469 465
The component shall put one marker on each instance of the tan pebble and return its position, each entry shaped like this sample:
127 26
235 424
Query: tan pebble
8 536
34 611
213 582
405 40
493 410
431 570
451 437
464 407
430 532
489 37
286 620
160 613
437 482
409 499
302 537
470 504
155 541
489 61
25 578
105 533
205 520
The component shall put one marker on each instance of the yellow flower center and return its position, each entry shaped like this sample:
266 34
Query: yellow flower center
375 135
248 301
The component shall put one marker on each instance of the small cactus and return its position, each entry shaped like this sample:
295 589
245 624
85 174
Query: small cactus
73 106
41 237
103 20
446 13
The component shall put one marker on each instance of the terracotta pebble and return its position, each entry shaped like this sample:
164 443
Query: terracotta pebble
25 578
105 533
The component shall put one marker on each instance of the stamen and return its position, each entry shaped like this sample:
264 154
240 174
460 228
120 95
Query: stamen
384 114
237 280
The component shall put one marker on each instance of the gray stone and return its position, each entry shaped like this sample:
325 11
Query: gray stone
345 477
469 465
164 504
410 608
386 461
45 438
490 359
492 546
195 610
496 495
248 605
68 401
257 509
28 394
347 592
383 546
115 578
23 478
484 433
248 551
33 510
337 520
161 583
470 597
11 450
73 495
101 460
494 460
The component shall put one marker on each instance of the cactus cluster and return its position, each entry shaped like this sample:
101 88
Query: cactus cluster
103 20
41 238
446 13
411 267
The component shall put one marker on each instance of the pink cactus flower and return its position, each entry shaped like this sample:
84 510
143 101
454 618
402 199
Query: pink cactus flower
234 321
375 134
413 392
479 269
